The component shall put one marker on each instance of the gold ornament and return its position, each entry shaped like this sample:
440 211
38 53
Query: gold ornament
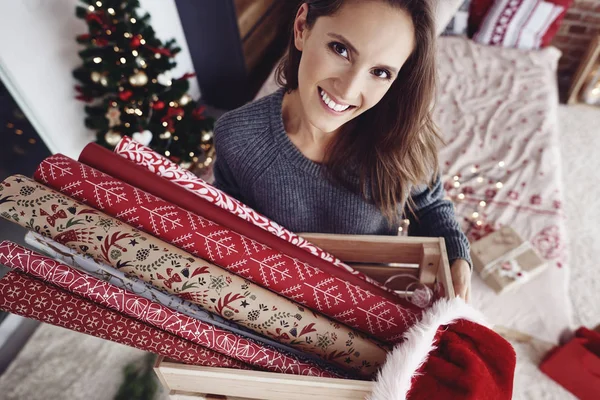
96 76
112 137
138 79
185 99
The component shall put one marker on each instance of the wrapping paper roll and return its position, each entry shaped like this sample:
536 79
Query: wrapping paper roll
239 254
31 298
157 315
135 285
110 241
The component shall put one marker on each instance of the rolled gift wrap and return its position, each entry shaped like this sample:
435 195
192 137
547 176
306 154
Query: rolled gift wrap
134 285
239 254
108 240
26 296
157 315
283 240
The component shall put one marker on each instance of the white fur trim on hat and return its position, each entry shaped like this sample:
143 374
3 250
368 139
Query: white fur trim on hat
394 378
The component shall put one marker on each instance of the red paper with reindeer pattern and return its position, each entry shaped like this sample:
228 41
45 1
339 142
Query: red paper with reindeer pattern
298 281
31 298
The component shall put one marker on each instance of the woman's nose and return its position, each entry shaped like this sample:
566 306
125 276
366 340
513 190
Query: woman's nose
348 88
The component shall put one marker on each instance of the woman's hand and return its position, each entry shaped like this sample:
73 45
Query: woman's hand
461 277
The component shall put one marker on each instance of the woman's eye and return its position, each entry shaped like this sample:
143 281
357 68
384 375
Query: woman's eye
382 73
340 49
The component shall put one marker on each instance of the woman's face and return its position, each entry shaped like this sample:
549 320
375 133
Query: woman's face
349 60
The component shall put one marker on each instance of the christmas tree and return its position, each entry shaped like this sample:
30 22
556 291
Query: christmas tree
126 82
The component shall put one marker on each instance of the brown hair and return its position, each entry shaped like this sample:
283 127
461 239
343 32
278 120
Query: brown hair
393 146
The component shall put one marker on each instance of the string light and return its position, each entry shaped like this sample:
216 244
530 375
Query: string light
165 124
135 53
123 60
127 35
167 153
480 179
10 125
97 60
501 164
461 196
116 49
18 132
171 104
479 223
474 169
138 112
31 141
108 32
456 178
475 215
179 118
99 3
457 184
133 20
499 185
91 8
482 203
175 138
157 55
111 11
127 124
191 154
195 159
143 41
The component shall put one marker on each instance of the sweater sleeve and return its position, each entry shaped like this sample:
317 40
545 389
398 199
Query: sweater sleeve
224 178
435 217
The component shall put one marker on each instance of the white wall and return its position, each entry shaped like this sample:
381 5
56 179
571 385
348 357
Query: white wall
38 53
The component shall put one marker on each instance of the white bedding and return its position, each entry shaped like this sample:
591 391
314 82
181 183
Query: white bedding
494 105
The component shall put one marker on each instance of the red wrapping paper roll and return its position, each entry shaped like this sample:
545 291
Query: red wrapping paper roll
157 315
26 296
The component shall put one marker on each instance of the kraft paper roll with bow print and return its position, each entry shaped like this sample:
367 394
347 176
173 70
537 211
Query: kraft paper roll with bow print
157 315
108 240
28 297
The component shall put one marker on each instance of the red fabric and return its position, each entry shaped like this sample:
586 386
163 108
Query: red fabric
157 315
471 362
576 365
26 296
478 9
238 254
102 159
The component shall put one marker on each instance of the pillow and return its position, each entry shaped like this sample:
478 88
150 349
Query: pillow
444 11
458 23
479 9
523 24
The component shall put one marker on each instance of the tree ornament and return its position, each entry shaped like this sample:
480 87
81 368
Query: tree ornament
138 79
185 99
112 138
113 115
95 76
159 105
135 42
144 137
125 95
165 79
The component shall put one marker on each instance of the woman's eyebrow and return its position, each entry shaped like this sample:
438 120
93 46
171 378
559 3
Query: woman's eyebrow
347 43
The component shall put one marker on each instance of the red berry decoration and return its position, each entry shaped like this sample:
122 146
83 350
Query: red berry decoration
125 95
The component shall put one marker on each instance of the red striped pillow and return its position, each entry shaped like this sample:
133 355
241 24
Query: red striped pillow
518 23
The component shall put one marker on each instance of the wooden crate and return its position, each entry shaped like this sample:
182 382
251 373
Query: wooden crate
416 258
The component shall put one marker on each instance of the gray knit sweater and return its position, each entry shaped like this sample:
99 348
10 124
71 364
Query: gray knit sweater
259 165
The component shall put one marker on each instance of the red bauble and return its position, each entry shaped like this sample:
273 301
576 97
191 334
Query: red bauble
159 105
101 42
135 42
125 95
198 113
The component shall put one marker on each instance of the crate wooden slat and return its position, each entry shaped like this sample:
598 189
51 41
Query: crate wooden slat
364 252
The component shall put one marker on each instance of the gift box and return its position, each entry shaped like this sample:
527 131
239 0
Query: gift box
504 260
576 364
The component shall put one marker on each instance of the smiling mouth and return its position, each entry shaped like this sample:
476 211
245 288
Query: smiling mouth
332 105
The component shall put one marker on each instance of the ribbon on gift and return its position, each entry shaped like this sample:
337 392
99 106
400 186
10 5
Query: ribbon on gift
507 264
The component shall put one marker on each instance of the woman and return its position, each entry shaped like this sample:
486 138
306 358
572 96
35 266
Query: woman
348 144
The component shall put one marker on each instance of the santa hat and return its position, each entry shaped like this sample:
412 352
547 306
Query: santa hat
450 354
